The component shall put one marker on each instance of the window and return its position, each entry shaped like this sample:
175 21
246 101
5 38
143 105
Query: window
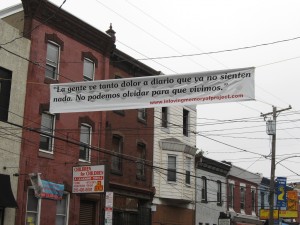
141 147
219 193
171 168
188 170
164 117
117 147
5 85
52 59
33 208
88 69
242 196
47 128
231 195
62 211
253 200
185 122
262 200
142 114
204 190
85 142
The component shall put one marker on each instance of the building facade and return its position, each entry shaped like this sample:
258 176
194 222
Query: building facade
211 196
173 165
13 74
242 196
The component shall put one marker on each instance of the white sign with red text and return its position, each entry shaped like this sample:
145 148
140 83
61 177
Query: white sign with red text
88 179
230 85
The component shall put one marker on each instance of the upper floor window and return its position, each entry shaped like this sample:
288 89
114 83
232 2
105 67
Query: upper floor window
5 85
171 168
85 142
117 147
185 122
262 200
142 114
219 193
188 170
253 199
141 147
231 195
164 117
242 197
52 59
88 69
47 129
204 190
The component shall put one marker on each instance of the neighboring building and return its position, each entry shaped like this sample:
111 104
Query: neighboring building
63 49
242 196
173 161
13 78
211 196
129 133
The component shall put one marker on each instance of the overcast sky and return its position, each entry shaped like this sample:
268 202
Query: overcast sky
263 34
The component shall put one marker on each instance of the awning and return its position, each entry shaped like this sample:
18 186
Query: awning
7 198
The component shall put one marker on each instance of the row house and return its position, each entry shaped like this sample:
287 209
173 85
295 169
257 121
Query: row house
173 165
13 78
211 186
55 47
242 196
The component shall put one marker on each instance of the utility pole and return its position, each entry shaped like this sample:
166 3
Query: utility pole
273 157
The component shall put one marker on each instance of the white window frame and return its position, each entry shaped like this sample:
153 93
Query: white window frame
66 215
142 114
84 144
53 64
172 170
188 165
37 212
87 61
50 134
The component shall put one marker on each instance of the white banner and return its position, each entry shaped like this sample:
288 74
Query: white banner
154 91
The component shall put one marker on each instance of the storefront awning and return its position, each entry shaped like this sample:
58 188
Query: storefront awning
7 198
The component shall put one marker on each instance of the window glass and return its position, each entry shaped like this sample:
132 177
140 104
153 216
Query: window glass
32 210
88 69
171 168
85 141
52 60
61 211
164 117
188 170
141 161
5 87
47 127
185 122
117 145
142 114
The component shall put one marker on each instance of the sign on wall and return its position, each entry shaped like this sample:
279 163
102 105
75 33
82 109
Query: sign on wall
88 179
281 191
153 91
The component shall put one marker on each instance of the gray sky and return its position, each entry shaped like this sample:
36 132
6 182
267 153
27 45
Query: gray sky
228 131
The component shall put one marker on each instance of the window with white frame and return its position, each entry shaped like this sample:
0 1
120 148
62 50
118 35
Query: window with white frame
204 189
141 147
117 147
172 168
219 193
164 117
62 210
32 208
188 162
242 197
142 114
185 126
85 142
231 195
52 59
47 129
88 69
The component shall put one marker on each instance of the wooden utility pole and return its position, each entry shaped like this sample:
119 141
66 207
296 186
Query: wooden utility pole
273 157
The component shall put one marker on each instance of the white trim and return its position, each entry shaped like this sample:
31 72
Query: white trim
11 10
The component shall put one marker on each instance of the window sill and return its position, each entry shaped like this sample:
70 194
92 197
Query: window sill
48 80
45 154
143 121
219 204
116 172
204 201
166 129
84 162
119 112
141 177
